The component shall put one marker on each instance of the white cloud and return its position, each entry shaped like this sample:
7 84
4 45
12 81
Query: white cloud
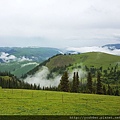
41 78
95 49
23 58
33 63
6 57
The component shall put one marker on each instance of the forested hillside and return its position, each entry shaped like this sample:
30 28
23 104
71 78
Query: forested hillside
103 70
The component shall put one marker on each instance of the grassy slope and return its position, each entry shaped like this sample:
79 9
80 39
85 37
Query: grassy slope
21 71
28 102
15 67
95 59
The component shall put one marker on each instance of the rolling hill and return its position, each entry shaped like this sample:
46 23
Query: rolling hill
96 59
91 59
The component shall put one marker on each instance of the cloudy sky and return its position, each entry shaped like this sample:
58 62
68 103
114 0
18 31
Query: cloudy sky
59 23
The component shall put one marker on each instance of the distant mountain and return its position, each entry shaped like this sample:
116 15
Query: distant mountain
21 60
112 46
29 53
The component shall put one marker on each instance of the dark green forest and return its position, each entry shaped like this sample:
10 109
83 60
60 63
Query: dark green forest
7 80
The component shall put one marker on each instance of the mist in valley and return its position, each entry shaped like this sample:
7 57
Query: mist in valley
41 77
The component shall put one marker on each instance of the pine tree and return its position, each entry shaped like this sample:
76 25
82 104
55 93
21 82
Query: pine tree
89 82
74 81
75 86
64 83
109 91
77 82
99 85
117 92
104 90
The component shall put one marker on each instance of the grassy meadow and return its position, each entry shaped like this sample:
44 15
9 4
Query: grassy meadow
38 102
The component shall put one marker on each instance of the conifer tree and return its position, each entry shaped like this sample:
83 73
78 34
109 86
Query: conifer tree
64 83
89 82
109 92
117 92
74 82
77 82
75 86
104 90
99 85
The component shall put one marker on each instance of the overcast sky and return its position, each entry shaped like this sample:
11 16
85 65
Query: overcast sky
59 23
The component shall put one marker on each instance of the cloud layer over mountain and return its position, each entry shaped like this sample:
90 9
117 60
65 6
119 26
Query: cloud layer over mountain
5 57
95 49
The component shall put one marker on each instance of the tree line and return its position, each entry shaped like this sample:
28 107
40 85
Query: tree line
90 86
75 86
8 80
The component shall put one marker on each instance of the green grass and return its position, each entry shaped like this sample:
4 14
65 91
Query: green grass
38 102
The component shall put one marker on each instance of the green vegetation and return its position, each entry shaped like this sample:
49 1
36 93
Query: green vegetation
37 102
91 60
18 68
95 59
64 83
41 52
35 55
75 83
108 65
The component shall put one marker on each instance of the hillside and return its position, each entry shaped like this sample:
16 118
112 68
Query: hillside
18 68
108 65
96 59
91 59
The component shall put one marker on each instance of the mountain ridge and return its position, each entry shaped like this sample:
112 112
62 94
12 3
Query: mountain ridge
112 46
